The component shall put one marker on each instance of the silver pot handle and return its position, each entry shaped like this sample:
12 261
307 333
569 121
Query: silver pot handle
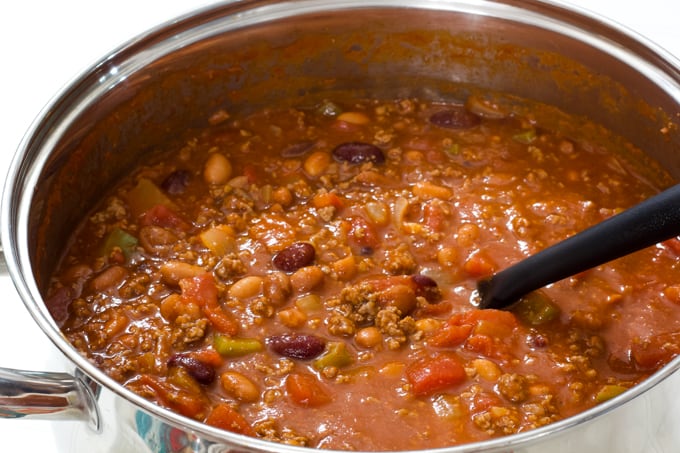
47 395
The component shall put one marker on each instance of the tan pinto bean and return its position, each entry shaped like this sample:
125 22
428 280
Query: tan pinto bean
317 163
368 337
357 118
169 306
174 306
277 288
115 324
174 271
400 296
109 279
292 317
239 386
247 287
447 257
428 191
428 324
306 278
217 169
283 196
345 268
467 234
486 369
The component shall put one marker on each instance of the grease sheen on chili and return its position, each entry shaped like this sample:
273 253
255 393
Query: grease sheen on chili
305 275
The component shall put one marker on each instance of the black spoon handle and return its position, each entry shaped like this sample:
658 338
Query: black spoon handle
643 225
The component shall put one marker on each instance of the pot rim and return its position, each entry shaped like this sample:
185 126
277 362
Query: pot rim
651 60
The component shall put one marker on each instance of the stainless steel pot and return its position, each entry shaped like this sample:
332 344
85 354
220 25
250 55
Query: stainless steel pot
240 55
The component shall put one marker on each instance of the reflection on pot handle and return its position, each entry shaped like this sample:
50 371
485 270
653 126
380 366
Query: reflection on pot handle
45 395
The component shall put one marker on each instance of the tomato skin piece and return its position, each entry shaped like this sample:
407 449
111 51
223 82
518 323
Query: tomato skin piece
305 390
435 372
500 317
223 416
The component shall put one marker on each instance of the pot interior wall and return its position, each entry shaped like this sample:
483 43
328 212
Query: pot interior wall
132 105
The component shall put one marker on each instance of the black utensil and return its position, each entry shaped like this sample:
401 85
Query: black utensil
648 223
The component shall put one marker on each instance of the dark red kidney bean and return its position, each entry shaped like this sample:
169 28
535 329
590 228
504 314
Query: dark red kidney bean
358 153
202 372
297 346
58 303
176 182
426 287
455 117
294 257
298 149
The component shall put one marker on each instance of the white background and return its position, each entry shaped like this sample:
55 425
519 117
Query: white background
46 43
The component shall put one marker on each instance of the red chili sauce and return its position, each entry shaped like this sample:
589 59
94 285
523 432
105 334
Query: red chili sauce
305 276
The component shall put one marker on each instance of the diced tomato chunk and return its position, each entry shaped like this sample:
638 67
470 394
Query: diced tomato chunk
208 356
251 173
450 335
436 372
483 401
326 199
479 264
434 216
490 322
500 317
225 417
673 245
221 321
434 310
202 290
653 352
672 293
481 344
162 216
306 390
483 325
